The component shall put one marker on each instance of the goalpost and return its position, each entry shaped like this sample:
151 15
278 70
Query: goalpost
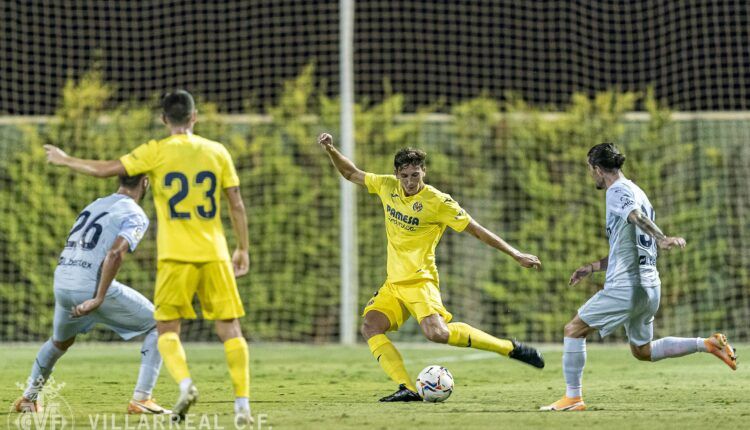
349 250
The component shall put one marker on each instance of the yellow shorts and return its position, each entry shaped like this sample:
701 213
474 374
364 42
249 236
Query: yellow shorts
397 301
178 281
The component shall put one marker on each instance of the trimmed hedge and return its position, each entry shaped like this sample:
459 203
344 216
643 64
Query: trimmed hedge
522 174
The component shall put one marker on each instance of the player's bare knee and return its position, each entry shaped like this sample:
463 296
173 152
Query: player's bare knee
437 334
571 329
64 344
168 326
435 329
642 353
228 329
371 328
374 323
364 331
577 328
61 346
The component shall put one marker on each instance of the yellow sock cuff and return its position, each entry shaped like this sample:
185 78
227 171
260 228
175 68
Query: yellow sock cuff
170 335
390 359
235 343
377 341
458 334
173 354
464 335
238 358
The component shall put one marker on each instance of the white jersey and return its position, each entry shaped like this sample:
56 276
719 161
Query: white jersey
92 236
632 253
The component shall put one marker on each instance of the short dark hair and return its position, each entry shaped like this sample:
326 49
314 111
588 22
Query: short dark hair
409 157
178 107
606 156
130 182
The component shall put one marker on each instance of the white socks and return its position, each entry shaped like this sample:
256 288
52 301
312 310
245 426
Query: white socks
185 384
668 347
574 359
150 366
141 396
45 360
241 404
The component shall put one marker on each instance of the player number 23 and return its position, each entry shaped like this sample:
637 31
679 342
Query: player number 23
180 181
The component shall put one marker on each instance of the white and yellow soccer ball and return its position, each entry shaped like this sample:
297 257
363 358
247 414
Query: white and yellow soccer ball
435 384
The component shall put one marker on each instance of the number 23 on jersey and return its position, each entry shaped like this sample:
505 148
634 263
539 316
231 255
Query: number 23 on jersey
180 182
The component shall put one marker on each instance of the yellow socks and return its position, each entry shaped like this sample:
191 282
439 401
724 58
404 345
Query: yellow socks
238 361
390 360
235 349
173 355
462 334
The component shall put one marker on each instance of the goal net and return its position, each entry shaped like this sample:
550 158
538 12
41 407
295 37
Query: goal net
505 97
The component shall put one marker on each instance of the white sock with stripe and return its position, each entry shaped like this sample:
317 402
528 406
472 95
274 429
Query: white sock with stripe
574 360
45 360
150 366
669 347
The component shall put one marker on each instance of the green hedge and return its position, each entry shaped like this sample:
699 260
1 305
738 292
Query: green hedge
522 174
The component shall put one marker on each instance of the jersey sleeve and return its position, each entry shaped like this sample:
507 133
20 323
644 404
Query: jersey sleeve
374 182
229 176
452 214
621 201
133 228
142 159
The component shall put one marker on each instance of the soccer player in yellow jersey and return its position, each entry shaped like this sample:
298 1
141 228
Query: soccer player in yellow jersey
188 175
416 216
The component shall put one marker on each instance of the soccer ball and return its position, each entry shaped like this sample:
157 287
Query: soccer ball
435 384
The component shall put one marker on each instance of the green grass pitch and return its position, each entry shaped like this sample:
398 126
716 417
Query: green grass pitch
332 387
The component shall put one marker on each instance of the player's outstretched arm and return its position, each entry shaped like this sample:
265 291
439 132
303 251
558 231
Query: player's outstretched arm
348 170
493 240
643 222
98 168
241 255
587 269
110 267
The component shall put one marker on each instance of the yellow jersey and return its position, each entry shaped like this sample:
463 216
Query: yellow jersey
188 174
414 226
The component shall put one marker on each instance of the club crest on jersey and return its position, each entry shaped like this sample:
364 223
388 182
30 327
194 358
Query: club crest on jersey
417 206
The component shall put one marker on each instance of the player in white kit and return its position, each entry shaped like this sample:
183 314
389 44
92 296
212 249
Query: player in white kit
86 292
631 292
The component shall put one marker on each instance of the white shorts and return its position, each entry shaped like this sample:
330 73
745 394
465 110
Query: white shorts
124 310
633 307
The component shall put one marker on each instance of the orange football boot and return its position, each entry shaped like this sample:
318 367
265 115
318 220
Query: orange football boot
717 345
22 404
566 404
148 406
